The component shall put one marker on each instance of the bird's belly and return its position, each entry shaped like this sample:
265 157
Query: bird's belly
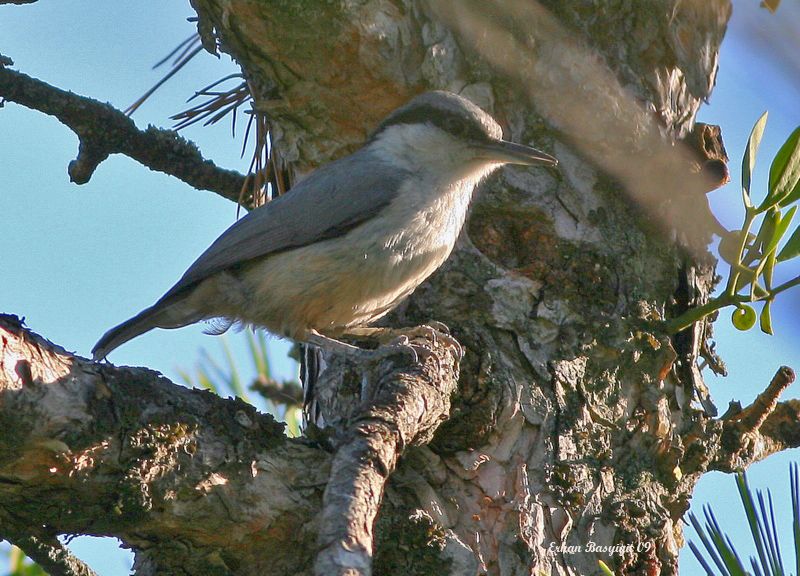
333 285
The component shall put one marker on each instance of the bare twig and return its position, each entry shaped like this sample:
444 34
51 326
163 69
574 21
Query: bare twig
406 410
746 436
104 130
216 104
751 418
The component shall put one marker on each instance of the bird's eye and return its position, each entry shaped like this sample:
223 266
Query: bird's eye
454 126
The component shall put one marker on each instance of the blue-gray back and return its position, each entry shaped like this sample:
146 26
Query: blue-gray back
330 201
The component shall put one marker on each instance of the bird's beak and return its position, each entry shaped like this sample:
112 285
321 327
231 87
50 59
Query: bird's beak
510 153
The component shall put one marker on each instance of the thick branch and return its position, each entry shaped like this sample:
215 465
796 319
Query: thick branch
183 476
104 130
753 417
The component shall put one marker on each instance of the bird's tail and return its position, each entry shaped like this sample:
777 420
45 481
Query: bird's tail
161 315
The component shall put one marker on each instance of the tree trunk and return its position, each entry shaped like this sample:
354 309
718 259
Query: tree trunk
573 436
570 426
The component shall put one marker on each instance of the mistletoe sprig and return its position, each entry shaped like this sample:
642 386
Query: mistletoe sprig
753 255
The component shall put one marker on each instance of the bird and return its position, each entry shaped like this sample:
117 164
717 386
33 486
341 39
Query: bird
349 242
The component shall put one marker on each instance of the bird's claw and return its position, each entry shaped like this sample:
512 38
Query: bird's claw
402 344
440 327
438 332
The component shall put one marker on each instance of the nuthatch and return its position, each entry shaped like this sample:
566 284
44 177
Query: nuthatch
349 242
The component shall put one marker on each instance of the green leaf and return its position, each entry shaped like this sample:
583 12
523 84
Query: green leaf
753 520
784 173
234 380
778 229
20 565
792 197
765 320
792 248
745 277
727 552
743 318
765 232
769 267
699 555
262 347
605 569
748 204
255 352
293 418
708 544
749 160
781 226
757 292
205 382
186 377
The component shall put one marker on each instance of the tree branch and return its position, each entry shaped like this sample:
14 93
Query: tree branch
49 553
187 478
404 411
763 428
753 417
104 130
182 476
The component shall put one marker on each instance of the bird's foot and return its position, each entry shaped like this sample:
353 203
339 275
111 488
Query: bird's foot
433 330
397 345
438 332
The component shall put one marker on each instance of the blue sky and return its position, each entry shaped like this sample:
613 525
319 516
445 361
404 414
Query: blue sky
80 259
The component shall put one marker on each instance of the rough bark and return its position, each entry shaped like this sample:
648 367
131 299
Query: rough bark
569 425
574 420
195 484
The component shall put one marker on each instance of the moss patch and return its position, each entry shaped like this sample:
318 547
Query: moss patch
410 544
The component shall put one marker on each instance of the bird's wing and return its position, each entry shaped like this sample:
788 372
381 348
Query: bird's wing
328 203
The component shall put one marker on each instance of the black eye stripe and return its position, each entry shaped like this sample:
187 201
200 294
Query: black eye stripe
457 126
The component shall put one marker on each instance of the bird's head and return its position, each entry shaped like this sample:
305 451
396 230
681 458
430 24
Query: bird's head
446 132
